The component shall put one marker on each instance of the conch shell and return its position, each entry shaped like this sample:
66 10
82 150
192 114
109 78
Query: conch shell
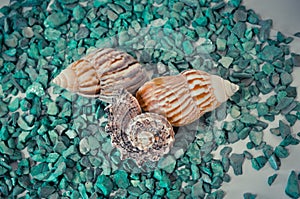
101 73
140 136
184 98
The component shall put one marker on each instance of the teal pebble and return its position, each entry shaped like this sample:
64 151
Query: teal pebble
292 186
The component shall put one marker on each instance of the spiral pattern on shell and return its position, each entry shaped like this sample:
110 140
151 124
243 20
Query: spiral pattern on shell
140 136
184 98
101 73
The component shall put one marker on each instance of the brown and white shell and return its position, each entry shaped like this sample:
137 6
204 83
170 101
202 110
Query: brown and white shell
184 98
139 136
101 73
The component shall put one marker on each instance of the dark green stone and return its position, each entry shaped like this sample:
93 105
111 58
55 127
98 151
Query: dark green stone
271 179
292 186
274 162
105 184
259 162
284 129
286 78
249 196
236 161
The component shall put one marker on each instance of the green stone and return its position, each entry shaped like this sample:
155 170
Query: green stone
71 150
259 162
239 29
167 163
240 15
201 21
217 169
226 61
248 119
221 44
71 133
197 190
11 52
82 33
45 191
4 149
270 53
79 12
52 157
262 109
24 125
104 184
52 34
236 161
27 32
188 48
274 162
174 194
271 179
59 170
56 19
268 68
52 108
286 78
249 196
36 88
84 146
134 191
256 137
14 105
284 129
292 186
11 40
292 119
235 3
48 51
121 179
289 140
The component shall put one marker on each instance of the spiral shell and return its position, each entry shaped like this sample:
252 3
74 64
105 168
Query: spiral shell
140 136
184 98
101 73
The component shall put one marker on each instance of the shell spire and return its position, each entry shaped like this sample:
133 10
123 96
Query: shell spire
184 98
101 73
139 136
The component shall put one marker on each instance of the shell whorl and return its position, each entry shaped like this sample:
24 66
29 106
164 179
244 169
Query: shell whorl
140 136
102 73
184 98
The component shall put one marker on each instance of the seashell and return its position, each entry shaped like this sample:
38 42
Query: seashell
140 136
101 73
184 98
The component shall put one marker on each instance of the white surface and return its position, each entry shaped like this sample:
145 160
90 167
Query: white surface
285 15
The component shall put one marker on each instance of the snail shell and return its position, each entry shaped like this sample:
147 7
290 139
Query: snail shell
184 98
101 73
140 136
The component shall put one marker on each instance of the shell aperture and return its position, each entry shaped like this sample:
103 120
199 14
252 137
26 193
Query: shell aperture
140 136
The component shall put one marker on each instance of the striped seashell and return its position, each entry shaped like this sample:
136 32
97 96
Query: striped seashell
101 73
184 98
140 136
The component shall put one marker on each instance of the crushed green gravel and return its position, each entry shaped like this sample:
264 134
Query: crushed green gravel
53 143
